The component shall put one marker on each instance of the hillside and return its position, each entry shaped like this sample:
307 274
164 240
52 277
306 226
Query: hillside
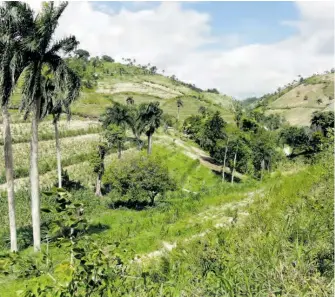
297 101
107 82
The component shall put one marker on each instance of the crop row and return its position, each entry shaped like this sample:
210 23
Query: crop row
21 132
81 171
74 150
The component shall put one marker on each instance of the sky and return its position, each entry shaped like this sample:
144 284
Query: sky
243 49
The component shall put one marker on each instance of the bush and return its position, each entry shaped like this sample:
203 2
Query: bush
138 180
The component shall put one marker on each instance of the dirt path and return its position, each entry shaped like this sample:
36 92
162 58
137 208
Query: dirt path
198 154
223 216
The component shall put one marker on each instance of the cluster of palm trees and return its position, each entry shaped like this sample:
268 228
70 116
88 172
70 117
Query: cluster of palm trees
29 52
145 118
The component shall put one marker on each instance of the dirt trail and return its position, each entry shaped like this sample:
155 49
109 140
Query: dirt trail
237 212
198 154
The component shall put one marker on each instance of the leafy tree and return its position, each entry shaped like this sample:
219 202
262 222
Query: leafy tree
130 101
193 125
116 137
305 98
82 54
107 59
215 91
296 137
319 101
43 54
16 20
202 110
168 121
273 121
141 178
213 131
179 105
322 120
265 153
249 124
238 112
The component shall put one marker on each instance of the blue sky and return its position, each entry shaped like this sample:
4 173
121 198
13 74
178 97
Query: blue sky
253 22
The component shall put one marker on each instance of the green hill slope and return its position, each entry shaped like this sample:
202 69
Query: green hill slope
114 82
297 101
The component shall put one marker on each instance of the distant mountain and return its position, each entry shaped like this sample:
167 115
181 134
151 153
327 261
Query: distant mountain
298 100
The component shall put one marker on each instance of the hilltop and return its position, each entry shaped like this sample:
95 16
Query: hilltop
299 99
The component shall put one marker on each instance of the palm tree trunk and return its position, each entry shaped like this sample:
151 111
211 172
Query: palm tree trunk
58 152
119 151
9 167
98 186
149 144
224 161
34 179
233 171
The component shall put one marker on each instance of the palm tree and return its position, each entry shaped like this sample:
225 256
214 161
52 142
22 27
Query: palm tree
15 22
55 104
150 115
179 104
43 55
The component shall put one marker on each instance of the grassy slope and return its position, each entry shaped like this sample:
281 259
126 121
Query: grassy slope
145 88
258 253
298 111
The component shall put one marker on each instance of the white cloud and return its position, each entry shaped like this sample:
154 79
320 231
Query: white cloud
176 39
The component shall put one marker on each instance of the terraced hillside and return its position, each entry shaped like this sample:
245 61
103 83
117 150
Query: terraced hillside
297 102
115 82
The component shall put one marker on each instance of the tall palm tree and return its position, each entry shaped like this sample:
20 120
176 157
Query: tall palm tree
179 105
151 116
44 54
15 23
56 104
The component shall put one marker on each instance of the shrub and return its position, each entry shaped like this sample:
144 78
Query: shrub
139 179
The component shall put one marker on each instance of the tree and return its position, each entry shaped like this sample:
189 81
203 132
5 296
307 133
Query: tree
107 59
305 98
98 163
141 178
296 137
150 116
213 131
238 112
116 137
16 20
319 101
202 110
130 101
82 54
44 55
179 105
54 104
322 120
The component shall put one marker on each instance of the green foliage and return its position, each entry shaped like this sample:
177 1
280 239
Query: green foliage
139 179
296 137
322 120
